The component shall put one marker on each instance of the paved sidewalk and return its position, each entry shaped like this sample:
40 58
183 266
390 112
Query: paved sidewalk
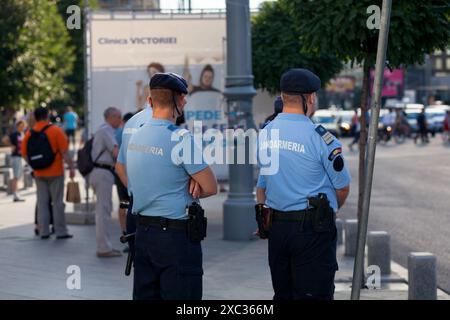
31 268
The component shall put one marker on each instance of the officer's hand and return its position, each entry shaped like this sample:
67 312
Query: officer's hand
194 189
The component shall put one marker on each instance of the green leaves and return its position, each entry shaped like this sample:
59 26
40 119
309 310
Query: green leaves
339 27
278 46
35 54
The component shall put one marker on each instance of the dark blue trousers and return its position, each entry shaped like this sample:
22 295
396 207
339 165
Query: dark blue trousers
302 262
167 265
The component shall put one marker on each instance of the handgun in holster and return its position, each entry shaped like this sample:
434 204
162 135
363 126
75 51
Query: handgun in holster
197 223
263 219
323 215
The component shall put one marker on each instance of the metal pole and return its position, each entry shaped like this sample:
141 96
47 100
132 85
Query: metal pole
375 113
238 209
86 84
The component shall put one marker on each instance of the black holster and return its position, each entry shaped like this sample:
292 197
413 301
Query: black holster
323 217
197 223
263 217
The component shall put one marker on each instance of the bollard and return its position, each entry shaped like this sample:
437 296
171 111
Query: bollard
340 231
422 276
379 251
351 236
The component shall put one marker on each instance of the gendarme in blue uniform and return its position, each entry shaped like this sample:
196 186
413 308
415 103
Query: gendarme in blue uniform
132 125
302 253
160 185
308 164
160 159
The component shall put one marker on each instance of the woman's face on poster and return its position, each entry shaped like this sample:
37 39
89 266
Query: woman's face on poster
207 79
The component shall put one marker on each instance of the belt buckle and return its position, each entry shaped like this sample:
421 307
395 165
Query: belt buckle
164 223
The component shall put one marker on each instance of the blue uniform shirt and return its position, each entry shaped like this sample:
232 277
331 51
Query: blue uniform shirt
132 125
159 170
310 162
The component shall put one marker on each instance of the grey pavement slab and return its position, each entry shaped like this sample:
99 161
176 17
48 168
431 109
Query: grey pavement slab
31 268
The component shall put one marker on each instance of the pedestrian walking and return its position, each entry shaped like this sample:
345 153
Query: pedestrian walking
70 119
45 148
356 128
422 127
16 138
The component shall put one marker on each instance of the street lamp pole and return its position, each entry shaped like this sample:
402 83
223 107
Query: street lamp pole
375 113
238 209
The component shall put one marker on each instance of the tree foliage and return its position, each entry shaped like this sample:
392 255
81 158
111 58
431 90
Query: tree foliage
276 47
417 27
12 20
37 55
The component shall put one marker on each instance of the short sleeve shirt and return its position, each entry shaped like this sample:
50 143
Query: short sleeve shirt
103 145
160 160
309 161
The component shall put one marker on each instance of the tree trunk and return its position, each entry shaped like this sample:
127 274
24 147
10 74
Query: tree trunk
363 138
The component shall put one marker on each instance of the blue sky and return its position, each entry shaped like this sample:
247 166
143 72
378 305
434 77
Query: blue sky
204 4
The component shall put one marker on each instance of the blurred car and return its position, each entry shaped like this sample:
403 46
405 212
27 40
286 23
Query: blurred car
435 118
414 106
330 120
411 117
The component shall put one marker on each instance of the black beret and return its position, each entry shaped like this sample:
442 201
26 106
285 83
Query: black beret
278 105
298 81
169 81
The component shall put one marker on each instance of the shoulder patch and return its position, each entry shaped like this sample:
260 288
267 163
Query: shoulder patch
326 136
335 153
338 164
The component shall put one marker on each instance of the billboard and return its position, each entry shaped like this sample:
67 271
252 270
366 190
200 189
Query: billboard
392 83
126 51
126 48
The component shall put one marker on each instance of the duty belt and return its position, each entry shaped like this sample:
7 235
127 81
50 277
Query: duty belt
300 215
104 166
164 223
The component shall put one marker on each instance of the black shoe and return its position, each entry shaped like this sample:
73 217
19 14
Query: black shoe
45 237
67 236
18 200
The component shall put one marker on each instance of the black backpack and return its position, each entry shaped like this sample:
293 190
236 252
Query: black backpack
85 164
39 150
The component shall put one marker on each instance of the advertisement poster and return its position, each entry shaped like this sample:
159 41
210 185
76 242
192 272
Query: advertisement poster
392 83
126 52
